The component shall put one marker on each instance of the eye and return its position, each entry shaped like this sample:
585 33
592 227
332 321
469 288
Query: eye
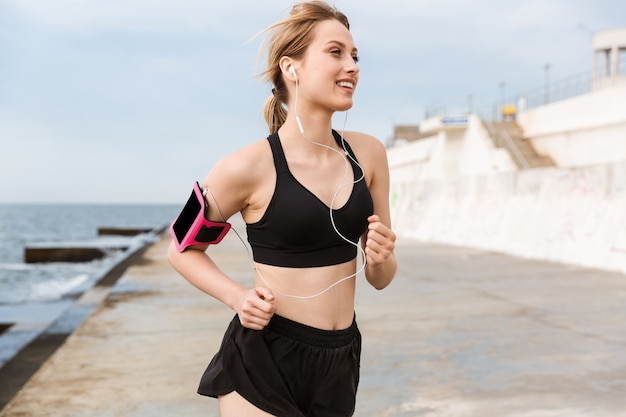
338 52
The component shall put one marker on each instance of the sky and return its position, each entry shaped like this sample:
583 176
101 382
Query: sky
130 101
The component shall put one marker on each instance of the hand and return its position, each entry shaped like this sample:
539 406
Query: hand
256 308
380 241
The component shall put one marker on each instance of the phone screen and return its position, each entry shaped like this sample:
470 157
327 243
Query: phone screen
187 216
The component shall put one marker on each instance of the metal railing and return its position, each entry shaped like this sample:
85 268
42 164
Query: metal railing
563 89
551 92
509 144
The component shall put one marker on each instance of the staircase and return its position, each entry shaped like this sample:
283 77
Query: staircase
509 136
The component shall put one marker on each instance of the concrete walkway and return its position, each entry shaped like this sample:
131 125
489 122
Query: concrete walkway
459 333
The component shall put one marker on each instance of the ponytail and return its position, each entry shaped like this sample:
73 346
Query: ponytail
275 110
291 37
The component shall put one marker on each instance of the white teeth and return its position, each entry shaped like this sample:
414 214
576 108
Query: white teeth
345 84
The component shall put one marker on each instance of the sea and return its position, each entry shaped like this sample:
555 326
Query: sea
32 295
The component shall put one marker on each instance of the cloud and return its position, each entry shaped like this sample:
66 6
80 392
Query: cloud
188 16
139 96
90 16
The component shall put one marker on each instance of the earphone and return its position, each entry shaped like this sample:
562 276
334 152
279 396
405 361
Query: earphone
345 156
292 70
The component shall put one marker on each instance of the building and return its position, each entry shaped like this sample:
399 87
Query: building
546 181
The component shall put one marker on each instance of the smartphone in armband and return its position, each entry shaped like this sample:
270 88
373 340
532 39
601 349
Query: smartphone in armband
192 227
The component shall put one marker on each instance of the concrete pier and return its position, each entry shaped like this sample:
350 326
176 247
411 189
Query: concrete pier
460 332
67 253
109 239
122 231
73 251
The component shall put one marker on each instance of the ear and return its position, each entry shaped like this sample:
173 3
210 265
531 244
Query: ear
286 65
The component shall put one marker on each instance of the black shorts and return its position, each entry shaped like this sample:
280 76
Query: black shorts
288 369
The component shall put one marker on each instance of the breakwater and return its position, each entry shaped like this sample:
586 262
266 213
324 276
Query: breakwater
28 358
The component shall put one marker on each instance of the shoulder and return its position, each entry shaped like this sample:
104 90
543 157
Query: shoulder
235 178
366 147
241 171
372 156
244 164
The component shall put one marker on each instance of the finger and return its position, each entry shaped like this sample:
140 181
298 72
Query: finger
264 293
374 236
378 247
253 323
373 218
373 256
254 318
381 233
265 300
258 308
371 244
378 241
379 228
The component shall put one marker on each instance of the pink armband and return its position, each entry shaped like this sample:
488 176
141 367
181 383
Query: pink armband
192 227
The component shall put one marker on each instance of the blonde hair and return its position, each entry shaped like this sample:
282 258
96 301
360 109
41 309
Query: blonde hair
291 37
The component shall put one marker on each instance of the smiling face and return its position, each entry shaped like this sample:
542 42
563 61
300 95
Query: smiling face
328 73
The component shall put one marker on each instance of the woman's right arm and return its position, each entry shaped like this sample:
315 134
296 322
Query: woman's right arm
231 182
255 307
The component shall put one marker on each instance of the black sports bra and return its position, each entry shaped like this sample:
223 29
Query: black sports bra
296 231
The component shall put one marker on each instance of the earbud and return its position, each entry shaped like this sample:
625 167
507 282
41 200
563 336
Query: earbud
292 70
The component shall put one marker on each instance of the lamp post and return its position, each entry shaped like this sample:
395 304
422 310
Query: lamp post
546 98
502 86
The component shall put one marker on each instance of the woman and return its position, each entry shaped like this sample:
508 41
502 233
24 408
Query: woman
307 198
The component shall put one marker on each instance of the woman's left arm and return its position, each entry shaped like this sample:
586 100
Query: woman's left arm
379 240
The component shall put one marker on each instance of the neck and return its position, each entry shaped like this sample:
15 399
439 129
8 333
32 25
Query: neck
316 129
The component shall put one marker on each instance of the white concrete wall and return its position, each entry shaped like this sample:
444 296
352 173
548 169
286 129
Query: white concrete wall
569 215
456 188
450 151
582 130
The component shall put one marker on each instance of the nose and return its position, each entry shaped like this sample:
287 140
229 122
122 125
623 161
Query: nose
352 67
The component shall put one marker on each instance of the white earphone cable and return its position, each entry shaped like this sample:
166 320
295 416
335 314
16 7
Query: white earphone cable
345 156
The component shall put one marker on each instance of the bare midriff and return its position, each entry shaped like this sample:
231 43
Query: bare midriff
331 310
